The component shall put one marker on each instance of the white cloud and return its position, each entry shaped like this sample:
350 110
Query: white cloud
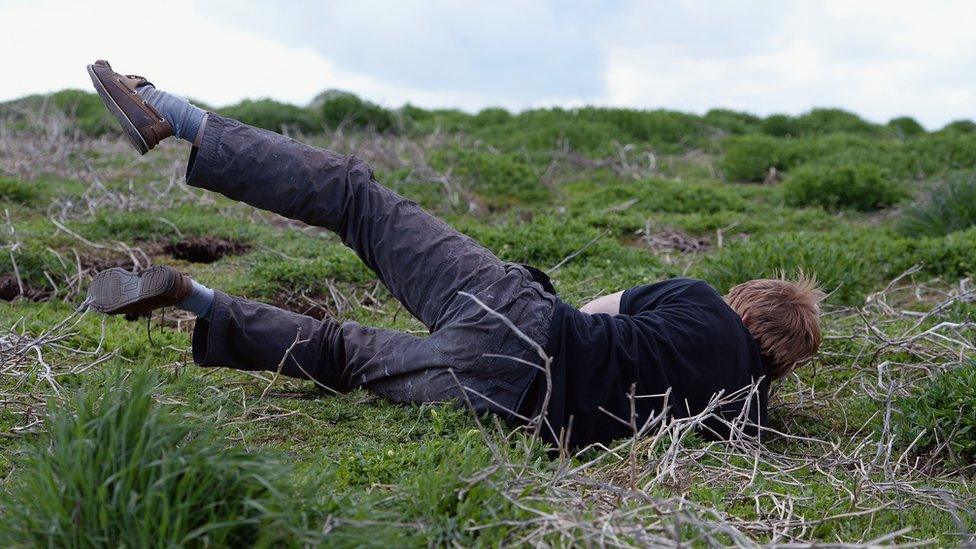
880 59
47 44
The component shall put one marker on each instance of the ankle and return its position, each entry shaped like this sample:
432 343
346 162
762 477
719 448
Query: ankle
185 118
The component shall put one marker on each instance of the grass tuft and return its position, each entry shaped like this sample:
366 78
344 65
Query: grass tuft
118 469
947 207
942 415
858 186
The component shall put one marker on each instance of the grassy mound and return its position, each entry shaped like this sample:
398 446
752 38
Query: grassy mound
118 469
947 207
942 417
859 186
273 115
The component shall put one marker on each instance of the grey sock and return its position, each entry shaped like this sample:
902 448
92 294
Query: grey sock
200 301
185 118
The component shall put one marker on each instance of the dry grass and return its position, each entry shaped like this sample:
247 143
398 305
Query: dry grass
643 491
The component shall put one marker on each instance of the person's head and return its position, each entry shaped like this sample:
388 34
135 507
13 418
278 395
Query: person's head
784 318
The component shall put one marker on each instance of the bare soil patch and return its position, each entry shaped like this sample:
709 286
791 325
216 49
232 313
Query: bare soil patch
10 289
206 249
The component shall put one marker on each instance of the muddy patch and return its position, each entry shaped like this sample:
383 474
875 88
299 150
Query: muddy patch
206 249
97 265
10 290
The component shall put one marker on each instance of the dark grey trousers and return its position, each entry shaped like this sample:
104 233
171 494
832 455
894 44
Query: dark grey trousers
421 260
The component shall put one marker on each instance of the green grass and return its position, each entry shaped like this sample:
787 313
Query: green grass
116 468
947 207
836 186
942 417
537 187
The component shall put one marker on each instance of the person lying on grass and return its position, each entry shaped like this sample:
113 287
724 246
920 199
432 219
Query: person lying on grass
500 339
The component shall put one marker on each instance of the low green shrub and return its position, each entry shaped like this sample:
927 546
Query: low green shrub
960 126
826 121
545 130
499 179
841 146
272 115
858 186
780 125
421 121
952 256
733 122
86 109
749 157
945 208
943 413
667 131
905 127
656 195
117 469
491 116
940 152
343 109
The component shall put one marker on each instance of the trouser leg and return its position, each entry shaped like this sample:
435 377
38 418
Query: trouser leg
423 262
420 259
449 365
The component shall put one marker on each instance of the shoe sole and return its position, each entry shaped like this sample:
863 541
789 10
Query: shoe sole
131 131
117 291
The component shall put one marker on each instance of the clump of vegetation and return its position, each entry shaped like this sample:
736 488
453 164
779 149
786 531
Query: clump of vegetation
83 110
939 153
86 109
550 129
942 415
118 469
827 121
945 208
960 126
750 157
345 110
780 125
733 122
950 256
859 186
15 190
498 178
491 116
664 130
273 115
905 127
654 195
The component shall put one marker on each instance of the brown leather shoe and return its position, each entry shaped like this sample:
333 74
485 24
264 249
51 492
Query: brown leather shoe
117 291
143 124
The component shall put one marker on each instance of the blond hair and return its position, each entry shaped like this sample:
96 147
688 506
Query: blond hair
784 317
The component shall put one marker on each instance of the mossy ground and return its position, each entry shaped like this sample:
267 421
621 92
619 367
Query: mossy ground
366 472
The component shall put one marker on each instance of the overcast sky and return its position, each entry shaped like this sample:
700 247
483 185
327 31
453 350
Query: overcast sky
878 58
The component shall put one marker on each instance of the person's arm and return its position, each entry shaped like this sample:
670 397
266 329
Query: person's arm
609 304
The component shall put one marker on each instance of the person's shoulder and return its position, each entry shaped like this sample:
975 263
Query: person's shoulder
684 286
670 292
